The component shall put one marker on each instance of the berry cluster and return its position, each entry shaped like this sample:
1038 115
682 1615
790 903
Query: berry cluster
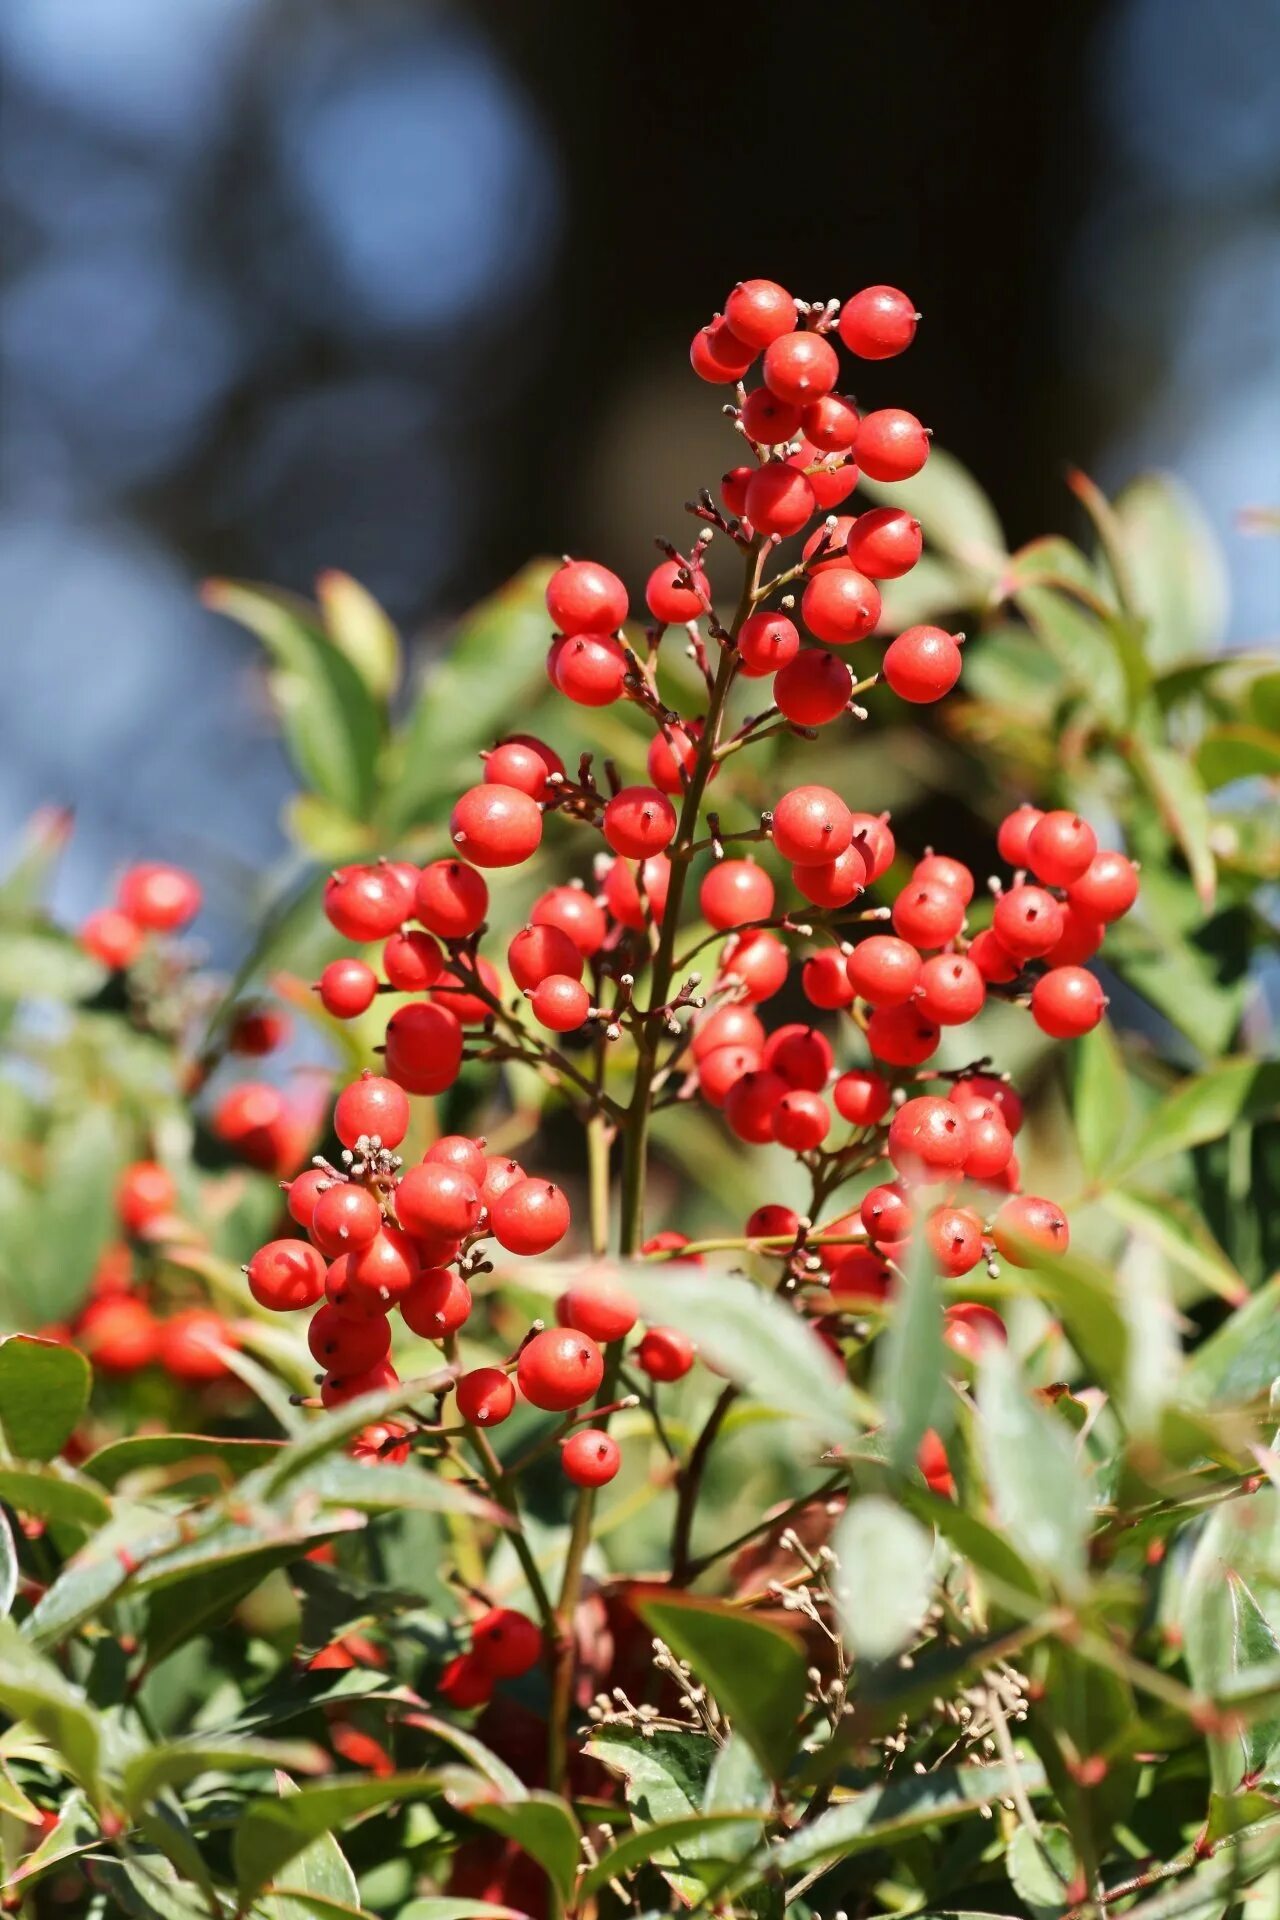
151 898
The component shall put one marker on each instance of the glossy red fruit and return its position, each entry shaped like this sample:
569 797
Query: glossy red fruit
672 756
969 1326
303 1193
368 903
145 1192
951 989
831 423
1028 1228
370 1106
1028 922
112 938
506 1643
436 1304
496 826
825 980
1081 937
524 762
252 1118
733 490
858 1274
591 1457
258 1031
885 543
760 311
935 1468
623 895
801 1120
438 1201
800 367
990 1145
584 597
833 476
674 594
412 961
530 1217
286 1274
985 1090
928 1137
451 899
119 1333
1060 847
1013 840
345 1218
780 499
347 988
459 1151
342 1343
874 839
954 1237
940 867
862 1097
1067 1002
883 970
902 1036
381 1273
560 1003
727 1026
832 884
768 421
878 323
767 642
559 1368
922 664
576 913
1107 888
665 1354
337 1389
424 1047
772 1222
192 1344
891 444
159 897
840 605
589 669
716 353
501 1173
537 951
639 822
759 960
752 1102
886 1213
468 991
465 1683
801 1054
485 1397
734 892
722 1068
811 824
597 1305
996 965
830 537
814 689
928 914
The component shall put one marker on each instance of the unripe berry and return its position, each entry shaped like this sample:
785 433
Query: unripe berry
840 606
884 971
669 597
733 892
780 499
751 1103
891 444
768 421
954 1237
772 1222
112 938
831 423
801 1121
345 1218
1027 922
638 822
438 1201
538 951
902 1036
530 1217
596 1305
560 1003
885 543
1060 847
451 899
590 1457
716 354
158 897
1013 840
672 756
885 1212
485 1397
424 1047
922 664
1067 1002
1107 888
368 903
371 1106
665 1354
811 824
862 1097
587 668
951 989
814 689
584 597
575 912
191 1345
559 1369
802 1055
767 642
1027 1228
436 1303
800 367
996 965
858 1274
872 836
878 323
832 883
622 893
824 980
721 1069
969 1326
760 311
731 1026
145 1192
496 826
928 914
759 961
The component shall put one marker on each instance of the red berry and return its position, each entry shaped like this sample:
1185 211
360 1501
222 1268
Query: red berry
664 1354
801 1121
622 891
716 353
872 836
672 756
830 537
436 1201
1014 837
760 311
858 1274
801 1055
436 1303
119 1333
523 764
1060 847
928 1137
371 1106
885 543
158 897
559 1369
878 323
590 1457
530 1217
575 912
833 476
669 1241
584 597
1107 888
347 988
996 965
831 423
779 499
253 1119
343 1344
800 367
1067 1002
111 937
884 971
560 1003
885 1212
638 822
459 1151
145 1192
1027 1228
832 883
751 1103
669 597
767 642
381 1273
496 826
588 669
772 1222
303 1194
1081 938
722 1068
412 962
954 1236
465 1682
990 1144
538 951
485 1397
861 1097
732 1026
191 1345
424 1047
759 961
733 490
506 1643
811 824
951 989
734 892
814 689
969 1326
451 899
982 1089
598 1306
368 903
928 914
825 981
931 1458
940 867
345 1218
500 1175
891 444
1028 922
257 1031
902 1036
768 421
922 664
840 606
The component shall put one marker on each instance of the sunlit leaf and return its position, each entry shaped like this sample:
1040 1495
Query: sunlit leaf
755 1671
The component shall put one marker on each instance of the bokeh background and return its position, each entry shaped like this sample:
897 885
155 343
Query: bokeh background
404 287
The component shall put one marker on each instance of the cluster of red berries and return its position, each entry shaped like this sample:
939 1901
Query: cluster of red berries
151 898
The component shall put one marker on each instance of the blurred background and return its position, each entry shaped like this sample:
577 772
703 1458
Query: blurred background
404 288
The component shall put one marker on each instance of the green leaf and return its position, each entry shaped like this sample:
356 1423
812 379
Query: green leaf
1237 753
8 1567
1174 786
271 1832
43 964
665 1773
1226 1633
54 1492
53 1244
543 1825
900 1807
957 517
44 1389
1054 562
1081 645
32 1689
358 626
203 1453
1178 1230
327 1432
176 1763
449 1909
909 1379
981 1546
1036 1483
408 1488
1100 1104
1204 1107
319 1874
697 1838
1175 567
330 722
884 1580
1041 1867
1242 1358
757 1673
74 1833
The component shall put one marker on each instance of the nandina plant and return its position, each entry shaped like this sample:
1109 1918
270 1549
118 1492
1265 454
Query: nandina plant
965 1638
